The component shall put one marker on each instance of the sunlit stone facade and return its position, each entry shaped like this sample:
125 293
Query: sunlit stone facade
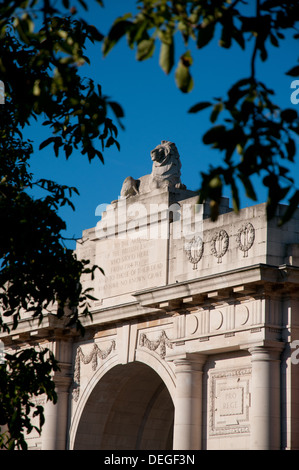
192 344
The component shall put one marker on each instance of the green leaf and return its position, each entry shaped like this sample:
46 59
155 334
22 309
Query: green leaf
274 40
216 110
214 134
145 49
117 109
118 30
289 115
95 33
292 207
46 142
205 34
166 59
83 4
183 77
199 107
291 149
235 196
215 182
294 72
250 192
226 36
68 150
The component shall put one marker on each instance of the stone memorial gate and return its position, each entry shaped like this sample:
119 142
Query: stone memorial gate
193 339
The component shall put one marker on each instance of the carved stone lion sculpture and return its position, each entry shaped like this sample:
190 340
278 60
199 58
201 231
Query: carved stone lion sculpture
166 172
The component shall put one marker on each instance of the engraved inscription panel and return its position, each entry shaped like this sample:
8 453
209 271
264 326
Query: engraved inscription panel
229 402
130 265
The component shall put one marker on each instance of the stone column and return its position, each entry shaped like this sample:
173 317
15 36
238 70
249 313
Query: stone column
54 432
265 426
188 402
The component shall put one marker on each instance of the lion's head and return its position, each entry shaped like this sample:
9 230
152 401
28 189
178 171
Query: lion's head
165 153
166 164
166 172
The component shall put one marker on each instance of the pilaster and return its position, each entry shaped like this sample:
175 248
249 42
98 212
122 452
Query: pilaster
265 419
54 432
188 402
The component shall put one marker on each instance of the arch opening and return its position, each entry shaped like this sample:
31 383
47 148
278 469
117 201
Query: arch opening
130 408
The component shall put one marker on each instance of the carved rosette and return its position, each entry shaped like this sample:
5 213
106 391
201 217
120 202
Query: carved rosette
162 342
194 250
219 244
245 238
92 358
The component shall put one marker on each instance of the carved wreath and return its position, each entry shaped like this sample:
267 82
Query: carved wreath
162 341
219 244
194 250
245 238
92 358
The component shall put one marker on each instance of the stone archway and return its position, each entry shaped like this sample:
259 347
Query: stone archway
130 408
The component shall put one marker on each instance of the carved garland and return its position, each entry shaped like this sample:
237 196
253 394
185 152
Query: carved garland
245 238
219 244
194 250
92 358
162 341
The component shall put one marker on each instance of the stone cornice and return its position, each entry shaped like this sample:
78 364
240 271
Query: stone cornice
31 330
226 284
251 281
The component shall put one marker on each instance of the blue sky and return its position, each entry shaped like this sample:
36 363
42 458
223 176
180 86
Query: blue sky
155 110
